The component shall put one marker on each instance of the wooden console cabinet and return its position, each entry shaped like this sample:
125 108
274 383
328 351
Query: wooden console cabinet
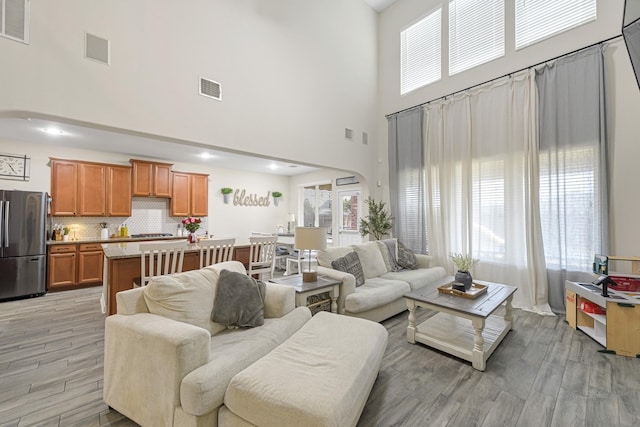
618 330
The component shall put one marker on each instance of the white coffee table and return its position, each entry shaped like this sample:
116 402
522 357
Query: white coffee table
465 328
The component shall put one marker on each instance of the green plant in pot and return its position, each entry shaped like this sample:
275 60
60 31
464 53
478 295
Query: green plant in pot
226 193
276 197
378 223
463 263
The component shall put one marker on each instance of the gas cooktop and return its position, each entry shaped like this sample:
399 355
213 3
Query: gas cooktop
150 235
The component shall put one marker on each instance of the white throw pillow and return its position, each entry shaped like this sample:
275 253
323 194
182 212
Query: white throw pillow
185 297
371 259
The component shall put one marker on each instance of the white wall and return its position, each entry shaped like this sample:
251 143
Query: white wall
623 96
294 73
224 220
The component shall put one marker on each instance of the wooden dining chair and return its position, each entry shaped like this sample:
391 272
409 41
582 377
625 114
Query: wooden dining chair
262 255
213 251
159 259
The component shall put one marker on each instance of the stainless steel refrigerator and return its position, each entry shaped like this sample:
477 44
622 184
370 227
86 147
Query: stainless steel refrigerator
23 266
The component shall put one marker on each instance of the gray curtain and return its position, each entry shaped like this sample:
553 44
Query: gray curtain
573 167
406 179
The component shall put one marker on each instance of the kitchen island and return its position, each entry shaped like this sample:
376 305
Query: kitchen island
122 266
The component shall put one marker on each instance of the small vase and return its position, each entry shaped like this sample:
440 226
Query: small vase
192 237
65 237
276 201
227 198
465 278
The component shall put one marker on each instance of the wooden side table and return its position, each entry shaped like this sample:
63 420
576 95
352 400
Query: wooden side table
307 289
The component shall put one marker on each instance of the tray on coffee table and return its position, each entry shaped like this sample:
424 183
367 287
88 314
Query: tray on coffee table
476 290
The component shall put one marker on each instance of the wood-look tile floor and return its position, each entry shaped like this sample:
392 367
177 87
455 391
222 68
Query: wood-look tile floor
543 374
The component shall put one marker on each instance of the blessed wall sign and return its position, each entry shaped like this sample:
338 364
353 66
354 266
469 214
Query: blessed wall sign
242 198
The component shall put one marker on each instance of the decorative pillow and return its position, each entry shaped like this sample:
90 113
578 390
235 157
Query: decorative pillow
371 259
391 250
327 256
239 300
350 263
185 297
406 257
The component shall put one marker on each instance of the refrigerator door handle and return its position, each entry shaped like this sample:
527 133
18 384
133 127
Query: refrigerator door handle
2 223
6 224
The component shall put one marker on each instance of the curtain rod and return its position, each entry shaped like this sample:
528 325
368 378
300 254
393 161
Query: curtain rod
504 75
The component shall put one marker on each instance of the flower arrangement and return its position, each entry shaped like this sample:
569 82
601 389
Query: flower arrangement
463 262
191 223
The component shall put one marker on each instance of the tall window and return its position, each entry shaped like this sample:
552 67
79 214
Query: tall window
539 19
317 206
420 53
476 33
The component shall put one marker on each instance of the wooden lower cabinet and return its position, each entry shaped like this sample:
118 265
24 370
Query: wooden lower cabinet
74 266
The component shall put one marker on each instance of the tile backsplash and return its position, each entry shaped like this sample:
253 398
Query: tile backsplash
148 215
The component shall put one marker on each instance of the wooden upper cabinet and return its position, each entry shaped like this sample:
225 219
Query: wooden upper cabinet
151 179
190 194
64 187
92 193
118 191
180 197
199 195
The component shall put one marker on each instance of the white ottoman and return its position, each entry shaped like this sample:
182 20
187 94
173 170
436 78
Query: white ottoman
321 376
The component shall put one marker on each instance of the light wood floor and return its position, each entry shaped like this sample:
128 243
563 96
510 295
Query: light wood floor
543 374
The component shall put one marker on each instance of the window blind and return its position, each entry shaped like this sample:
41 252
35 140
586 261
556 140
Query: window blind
476 33
420 53
540 19
14 19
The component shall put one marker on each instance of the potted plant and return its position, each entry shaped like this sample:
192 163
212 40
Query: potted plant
379 221
276 197
226 193
463 263
65 233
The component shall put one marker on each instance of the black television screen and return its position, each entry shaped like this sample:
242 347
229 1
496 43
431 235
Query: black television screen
631 34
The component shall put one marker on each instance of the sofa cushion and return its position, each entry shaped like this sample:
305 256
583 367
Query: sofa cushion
232 350
374 293
350 263
406 258
417 278
327 256
184 297
371 259
239 300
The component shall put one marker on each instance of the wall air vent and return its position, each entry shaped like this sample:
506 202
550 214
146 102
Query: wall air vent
210 89
348 134
96 48
365 138
14 19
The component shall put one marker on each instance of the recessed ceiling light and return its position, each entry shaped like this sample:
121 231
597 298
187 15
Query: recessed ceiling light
206 155
53 131
273 166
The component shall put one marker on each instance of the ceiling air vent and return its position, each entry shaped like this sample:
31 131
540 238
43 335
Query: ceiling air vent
348 134
96 48
15 22
210 89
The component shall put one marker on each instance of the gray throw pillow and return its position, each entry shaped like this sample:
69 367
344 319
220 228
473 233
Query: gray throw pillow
406 257
239 300
350 263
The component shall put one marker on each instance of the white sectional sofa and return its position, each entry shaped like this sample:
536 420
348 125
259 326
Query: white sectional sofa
380 297
173 369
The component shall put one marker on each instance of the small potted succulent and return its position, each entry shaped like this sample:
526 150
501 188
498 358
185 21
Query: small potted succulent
226 194
463 263
65 233
276 197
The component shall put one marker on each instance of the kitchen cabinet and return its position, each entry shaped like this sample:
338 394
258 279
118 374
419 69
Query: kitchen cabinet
118 191
92 192
90 189
151 179
190 194
74 266
64 187
62 267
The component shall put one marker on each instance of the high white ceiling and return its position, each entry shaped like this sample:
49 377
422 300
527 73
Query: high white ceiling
379 5
32 130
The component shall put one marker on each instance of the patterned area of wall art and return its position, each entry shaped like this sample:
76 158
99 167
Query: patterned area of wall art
148 215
